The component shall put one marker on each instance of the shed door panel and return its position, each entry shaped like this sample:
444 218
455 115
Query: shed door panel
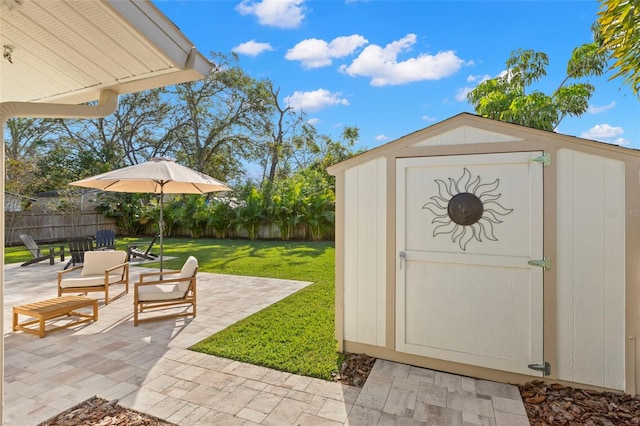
465 290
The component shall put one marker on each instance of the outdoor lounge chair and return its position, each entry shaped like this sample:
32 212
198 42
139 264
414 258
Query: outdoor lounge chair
105 239
100 271
39 253
77 248
165 290
135 250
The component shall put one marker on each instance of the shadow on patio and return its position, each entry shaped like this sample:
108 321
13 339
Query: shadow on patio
148 367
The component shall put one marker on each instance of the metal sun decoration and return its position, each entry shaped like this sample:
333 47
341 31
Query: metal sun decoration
466 209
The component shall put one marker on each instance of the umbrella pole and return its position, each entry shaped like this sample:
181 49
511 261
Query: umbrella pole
161 224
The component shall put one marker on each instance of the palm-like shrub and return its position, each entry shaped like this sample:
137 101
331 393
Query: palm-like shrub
250 214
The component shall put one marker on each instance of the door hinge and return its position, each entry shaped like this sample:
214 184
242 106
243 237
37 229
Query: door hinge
545 368
545 159
545 263
402 256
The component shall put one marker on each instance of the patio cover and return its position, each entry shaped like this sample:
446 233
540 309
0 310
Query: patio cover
58 54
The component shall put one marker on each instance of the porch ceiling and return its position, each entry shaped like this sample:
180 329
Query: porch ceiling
67 51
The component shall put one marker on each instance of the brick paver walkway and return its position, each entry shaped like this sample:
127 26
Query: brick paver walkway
149 368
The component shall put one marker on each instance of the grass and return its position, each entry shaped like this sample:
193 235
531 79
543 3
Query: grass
295 335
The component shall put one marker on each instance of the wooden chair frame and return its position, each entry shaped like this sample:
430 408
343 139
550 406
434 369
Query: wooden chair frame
38 253
134 250
105 239
123 280
188 299
77 248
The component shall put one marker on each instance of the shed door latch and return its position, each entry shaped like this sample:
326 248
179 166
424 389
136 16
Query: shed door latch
544 159
545 368
544 263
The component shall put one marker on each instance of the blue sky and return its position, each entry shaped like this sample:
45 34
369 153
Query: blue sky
394 67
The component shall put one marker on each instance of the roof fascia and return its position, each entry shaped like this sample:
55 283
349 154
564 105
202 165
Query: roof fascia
462 119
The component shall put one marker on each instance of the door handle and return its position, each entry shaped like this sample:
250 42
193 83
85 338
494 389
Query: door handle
403 256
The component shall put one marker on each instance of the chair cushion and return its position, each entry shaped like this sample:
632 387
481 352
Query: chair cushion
94 281
95 262
153 293
188 270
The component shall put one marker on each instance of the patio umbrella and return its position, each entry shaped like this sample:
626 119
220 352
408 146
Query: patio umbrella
158 176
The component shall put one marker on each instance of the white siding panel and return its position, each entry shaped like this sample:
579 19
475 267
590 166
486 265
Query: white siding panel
590 268
365 249
351 255
466 135
614 276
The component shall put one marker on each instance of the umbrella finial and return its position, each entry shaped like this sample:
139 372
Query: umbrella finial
158 159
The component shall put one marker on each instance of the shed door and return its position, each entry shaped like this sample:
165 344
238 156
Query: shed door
467 226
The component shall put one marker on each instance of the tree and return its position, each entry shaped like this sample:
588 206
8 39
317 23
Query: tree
507 97
220 120
143 126
285 132
26 139
619 34
25 136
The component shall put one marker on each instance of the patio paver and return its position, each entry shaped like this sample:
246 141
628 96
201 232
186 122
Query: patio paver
149 368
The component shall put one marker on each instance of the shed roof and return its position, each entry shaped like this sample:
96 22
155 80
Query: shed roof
518 131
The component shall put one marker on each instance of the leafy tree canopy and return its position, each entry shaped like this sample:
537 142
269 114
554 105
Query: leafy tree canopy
509 97
618 30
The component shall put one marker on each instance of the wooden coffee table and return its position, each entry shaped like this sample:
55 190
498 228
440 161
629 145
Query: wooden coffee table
51 309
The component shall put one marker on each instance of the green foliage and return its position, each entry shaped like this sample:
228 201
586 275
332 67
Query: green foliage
251 212
619 33
191 211
507 97
221 215
287 206
130 210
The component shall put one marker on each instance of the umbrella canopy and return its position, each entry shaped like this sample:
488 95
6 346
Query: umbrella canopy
157 176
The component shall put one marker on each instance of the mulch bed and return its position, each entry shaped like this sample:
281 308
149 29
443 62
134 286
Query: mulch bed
554 404
355 369
100 412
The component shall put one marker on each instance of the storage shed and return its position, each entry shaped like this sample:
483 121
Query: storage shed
492 250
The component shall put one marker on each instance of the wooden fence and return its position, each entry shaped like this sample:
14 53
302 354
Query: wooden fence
48 227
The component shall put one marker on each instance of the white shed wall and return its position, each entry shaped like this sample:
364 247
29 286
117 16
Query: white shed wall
365 252
590 269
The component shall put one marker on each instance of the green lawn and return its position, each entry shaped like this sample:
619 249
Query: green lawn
294 335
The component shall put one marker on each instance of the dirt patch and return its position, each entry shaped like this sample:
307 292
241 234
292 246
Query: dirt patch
554 404
98 411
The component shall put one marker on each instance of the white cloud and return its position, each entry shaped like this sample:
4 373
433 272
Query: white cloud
315 53
252 48
427 118
602 133
598 109
478 78
621 141
275 13
381 64
461 94
314 100
382 138
313 121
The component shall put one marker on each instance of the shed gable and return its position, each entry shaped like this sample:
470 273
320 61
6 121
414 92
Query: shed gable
464 135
